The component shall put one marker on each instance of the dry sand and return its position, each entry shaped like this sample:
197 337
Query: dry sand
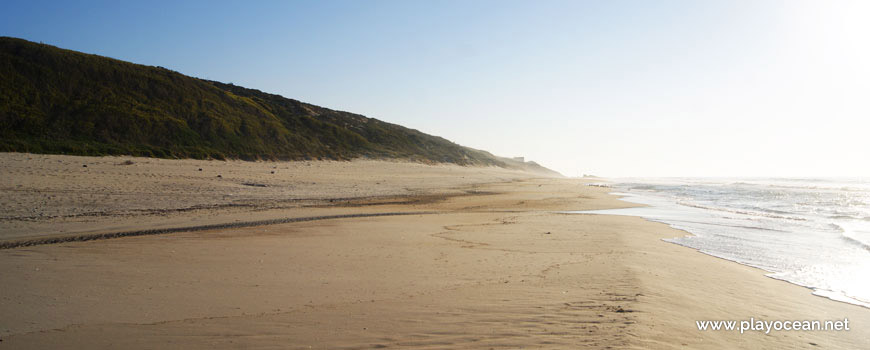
491 263
50 195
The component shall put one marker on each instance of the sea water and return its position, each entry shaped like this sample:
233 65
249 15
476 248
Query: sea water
814 232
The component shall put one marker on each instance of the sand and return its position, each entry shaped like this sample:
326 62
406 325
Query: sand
49 195
482 258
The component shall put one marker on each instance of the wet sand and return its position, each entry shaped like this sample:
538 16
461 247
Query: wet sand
481 258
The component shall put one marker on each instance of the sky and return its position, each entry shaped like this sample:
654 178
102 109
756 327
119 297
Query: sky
610 88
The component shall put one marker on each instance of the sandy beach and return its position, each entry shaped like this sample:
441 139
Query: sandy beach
359 255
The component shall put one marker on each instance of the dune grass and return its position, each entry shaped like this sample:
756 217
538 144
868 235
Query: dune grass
66 102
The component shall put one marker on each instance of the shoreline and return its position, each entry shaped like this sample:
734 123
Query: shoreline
653 205
496 268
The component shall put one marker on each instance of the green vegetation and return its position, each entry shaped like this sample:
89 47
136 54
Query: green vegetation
60 101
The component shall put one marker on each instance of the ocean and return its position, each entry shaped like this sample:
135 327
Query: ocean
814 232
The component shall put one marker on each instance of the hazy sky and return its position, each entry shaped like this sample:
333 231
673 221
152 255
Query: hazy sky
613 88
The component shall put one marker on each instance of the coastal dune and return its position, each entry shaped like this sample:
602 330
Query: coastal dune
481 258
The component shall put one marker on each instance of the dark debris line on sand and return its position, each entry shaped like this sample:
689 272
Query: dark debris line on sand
108 235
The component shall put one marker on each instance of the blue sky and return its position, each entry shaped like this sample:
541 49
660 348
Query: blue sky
616 88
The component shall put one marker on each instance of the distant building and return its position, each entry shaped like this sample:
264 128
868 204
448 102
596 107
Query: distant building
519 159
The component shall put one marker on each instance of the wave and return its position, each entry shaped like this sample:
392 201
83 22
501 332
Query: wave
837 228
720 224
822 226
849 217
742 212
851 239
840 296
803 187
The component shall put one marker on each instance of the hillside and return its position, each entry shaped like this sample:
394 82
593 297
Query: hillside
66 102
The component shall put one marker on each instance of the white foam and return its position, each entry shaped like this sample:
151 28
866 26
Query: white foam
811 232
